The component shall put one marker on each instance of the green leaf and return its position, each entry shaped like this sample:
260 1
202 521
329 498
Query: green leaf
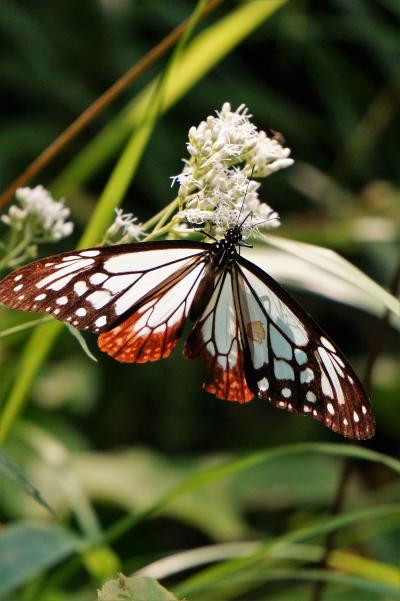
27 549
11 471
134 588
136 478
209 578
208 476
335 267
78 336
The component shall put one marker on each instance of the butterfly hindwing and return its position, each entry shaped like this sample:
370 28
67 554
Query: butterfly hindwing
217 339
94 289
291 362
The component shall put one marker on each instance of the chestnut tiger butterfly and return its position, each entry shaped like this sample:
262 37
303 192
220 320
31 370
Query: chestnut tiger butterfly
254 339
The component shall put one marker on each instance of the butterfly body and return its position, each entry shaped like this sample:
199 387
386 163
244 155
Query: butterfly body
253 338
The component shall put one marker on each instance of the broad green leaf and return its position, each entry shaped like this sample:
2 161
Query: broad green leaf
26 549
337 267
206 477
134 588
296 272
135 479
11 471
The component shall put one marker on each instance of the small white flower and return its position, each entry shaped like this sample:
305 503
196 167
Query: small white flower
124 229
38 212
267 156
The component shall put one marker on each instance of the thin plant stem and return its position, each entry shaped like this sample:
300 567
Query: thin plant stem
348 465
101 103
25 326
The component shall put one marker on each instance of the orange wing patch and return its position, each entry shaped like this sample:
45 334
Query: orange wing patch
227 380
228 383
135 341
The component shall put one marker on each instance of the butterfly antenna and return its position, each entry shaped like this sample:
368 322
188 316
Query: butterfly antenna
244 197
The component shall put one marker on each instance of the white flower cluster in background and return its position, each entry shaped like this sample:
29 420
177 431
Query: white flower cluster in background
124 229
34 219
38 212
225 151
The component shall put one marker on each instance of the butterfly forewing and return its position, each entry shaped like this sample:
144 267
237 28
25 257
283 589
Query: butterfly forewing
96 288
292 362
151 332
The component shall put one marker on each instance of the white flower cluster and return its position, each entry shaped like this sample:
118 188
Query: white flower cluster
225 151
39 215
124 229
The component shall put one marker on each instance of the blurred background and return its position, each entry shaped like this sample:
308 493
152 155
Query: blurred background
325 74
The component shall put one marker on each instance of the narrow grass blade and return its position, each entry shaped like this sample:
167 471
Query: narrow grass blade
14 473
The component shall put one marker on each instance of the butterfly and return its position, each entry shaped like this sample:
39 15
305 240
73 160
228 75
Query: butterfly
253 337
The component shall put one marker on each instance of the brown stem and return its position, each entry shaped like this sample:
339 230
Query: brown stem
99 105
348 464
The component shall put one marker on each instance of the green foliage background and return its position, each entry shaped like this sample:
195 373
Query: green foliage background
109 446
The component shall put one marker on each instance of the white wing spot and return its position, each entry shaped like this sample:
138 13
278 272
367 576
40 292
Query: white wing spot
99 298
282 404
18 287
101 321
98 278
56 311
355 417
80 287
289 406
301 356
90 253
58 284
350 379
21 297
315 412
81 312
71 258
280 345
327 344
310 396
62 300
48 309
283 371
345 422
330 408
263 384
17 278
40 297
338 360
286 392
307 409
118 283
306 376
364 409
